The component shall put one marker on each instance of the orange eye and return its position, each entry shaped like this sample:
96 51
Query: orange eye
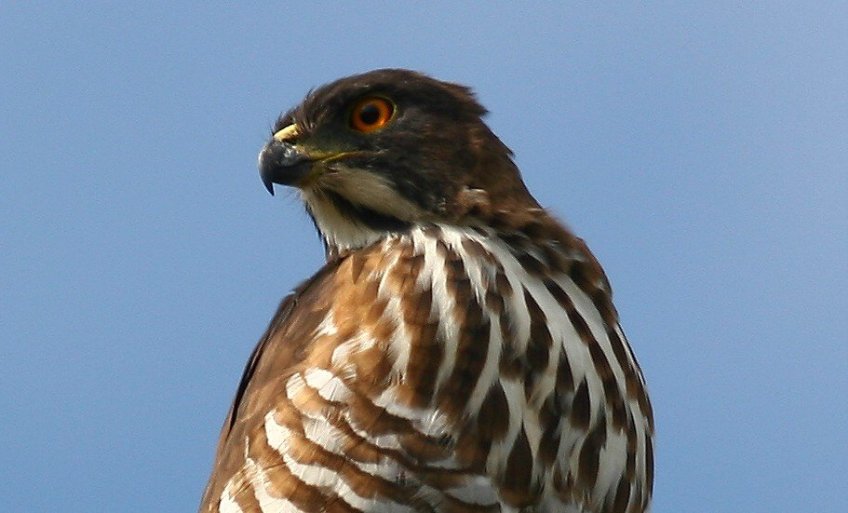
371 114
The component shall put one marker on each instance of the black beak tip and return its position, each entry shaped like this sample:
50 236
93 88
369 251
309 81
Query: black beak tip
268 184
265 171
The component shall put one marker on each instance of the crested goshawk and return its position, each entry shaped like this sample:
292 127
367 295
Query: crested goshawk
459 350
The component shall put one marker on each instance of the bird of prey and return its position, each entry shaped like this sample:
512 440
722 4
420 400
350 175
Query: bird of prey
459 350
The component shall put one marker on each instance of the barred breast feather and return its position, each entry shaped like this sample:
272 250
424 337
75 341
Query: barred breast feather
443 369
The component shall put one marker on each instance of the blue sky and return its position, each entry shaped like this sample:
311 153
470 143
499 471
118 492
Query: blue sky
701 151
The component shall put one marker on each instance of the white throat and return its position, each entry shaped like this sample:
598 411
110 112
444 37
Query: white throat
339 232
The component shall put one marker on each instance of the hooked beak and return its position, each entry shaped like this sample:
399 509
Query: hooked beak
281 161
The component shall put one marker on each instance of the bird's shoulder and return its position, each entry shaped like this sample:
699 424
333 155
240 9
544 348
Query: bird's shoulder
273 358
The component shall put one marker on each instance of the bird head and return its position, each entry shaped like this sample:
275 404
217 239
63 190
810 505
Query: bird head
390 149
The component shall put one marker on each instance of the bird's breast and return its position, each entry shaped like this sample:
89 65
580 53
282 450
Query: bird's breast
459 370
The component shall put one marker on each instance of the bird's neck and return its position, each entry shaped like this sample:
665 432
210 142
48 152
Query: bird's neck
345 227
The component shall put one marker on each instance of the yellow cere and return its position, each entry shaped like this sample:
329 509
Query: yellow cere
286 133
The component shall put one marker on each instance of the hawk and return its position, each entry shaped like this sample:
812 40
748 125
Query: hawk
459 350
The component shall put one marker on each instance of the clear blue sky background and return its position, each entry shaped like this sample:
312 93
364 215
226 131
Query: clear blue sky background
701 151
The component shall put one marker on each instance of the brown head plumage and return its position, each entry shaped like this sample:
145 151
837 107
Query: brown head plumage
387 149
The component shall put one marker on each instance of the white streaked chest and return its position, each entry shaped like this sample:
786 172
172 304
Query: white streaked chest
428 328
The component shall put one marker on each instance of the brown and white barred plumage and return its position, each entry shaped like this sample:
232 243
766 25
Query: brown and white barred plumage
448 367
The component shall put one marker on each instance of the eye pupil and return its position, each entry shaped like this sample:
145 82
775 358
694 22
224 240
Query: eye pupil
369 114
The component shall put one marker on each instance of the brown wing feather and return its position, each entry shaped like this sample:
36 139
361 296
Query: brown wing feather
280 348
